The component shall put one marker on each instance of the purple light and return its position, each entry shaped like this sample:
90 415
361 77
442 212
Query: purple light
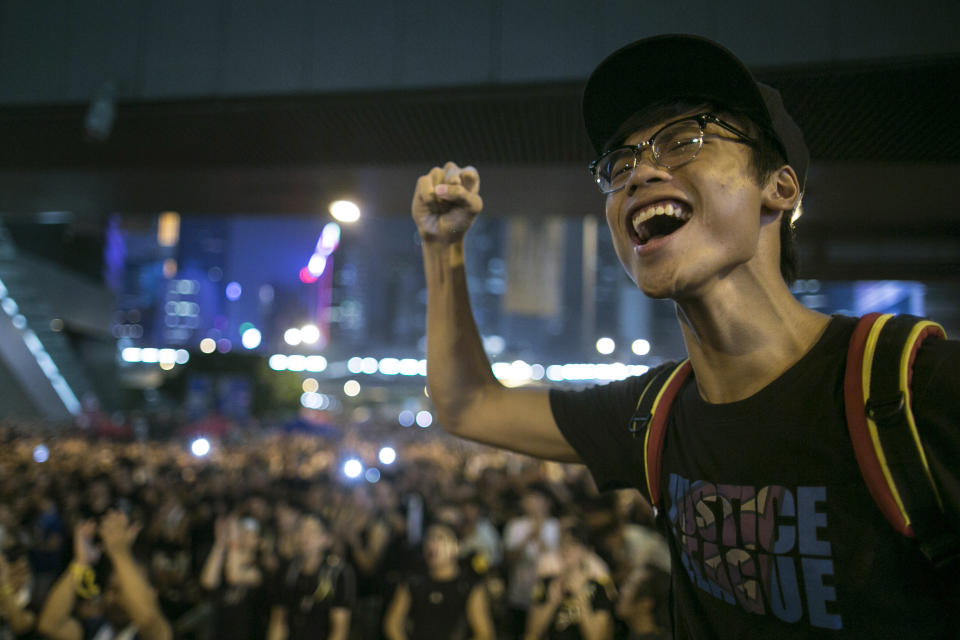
224 345
329 239
233 291
317 264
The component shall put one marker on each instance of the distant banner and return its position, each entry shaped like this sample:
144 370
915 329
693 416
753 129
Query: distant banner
535 266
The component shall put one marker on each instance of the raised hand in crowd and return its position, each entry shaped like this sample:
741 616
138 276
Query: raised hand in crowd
120 601
15 596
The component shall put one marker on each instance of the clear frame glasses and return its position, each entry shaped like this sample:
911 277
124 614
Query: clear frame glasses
674 144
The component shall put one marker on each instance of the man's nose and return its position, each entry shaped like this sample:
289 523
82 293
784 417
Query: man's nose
646 171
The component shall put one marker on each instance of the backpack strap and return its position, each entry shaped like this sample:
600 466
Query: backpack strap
649 421
884 432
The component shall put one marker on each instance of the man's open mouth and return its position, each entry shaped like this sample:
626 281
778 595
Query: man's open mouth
659 219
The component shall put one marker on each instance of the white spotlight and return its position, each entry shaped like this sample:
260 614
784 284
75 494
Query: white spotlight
292 336
41 453
387 455
309 333
345 211
251 338
352 468
200 447
640 347
424 419
606 346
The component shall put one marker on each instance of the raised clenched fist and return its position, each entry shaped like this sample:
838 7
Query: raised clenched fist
446 201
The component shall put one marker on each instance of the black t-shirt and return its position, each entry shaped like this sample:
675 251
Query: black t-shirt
310 597
438 609
239 612
772 530
565 624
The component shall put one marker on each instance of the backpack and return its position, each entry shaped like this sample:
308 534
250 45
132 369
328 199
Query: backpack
880 420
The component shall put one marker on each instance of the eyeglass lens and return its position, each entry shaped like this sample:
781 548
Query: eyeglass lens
671 147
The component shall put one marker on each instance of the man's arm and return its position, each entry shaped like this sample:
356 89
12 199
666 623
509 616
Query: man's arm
55 620
20 619
542 610
137 597
469 400
478 613
339 623
395 619
277 627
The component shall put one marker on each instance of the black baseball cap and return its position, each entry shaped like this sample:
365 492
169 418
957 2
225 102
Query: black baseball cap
684 67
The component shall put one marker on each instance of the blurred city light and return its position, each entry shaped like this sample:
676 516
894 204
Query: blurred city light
372 475
292 336
424 419
306 277
352 468
310 385
309 333
351 388
640 347
315 364
41 453
251 338
208 345
345 211
406 418
233 291
606 346
387 455
316 265
200 447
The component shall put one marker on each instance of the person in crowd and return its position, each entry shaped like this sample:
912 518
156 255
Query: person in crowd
234 578
442 603
526 539
366 533
573 597
170 561
643 603
87 604
315 591
479 538
18 617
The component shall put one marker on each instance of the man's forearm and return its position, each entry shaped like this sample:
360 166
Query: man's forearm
55 614
21 620
138 597
457 365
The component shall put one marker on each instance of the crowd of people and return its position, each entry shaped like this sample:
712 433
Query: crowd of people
267 538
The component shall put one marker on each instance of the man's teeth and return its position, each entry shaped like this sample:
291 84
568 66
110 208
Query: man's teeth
658 209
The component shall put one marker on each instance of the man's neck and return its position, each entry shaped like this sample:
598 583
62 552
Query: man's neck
739 342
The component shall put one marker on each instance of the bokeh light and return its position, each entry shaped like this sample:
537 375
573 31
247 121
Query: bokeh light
200 447
345 211
606 346
640 347
424 419
352 468
387 455
233 291
251 338
41 453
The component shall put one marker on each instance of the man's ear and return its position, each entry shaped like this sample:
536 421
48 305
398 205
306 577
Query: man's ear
782 191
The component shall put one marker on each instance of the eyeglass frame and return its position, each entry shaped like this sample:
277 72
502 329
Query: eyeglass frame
702 119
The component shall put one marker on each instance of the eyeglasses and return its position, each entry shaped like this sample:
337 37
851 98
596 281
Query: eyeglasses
673 145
